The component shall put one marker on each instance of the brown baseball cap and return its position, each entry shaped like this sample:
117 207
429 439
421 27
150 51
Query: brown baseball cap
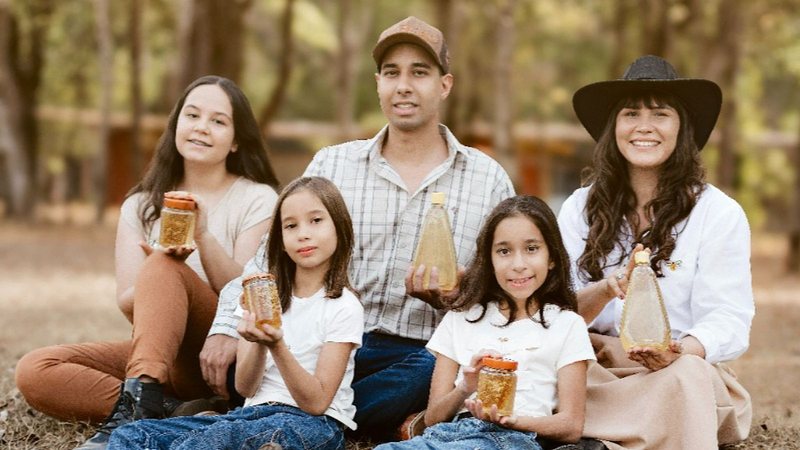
414 31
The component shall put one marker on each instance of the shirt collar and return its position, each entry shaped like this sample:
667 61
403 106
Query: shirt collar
372 147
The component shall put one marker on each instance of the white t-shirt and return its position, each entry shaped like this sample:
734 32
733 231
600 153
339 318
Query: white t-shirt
540 352
307 326
245 204
707 286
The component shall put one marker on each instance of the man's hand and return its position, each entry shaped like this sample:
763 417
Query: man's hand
432 295
217 355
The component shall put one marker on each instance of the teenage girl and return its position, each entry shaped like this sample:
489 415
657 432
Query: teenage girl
516 303
297 377
211 147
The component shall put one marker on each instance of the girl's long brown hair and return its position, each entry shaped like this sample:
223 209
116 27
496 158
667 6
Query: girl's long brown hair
282 266
166 167
611 199
479 285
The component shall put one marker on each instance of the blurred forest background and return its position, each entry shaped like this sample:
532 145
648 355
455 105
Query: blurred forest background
85 86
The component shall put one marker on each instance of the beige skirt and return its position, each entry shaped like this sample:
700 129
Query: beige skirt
690 404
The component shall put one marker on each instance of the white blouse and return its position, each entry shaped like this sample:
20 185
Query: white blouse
707 285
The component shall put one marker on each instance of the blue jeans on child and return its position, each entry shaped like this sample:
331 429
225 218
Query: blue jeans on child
467 434
243 428
392 380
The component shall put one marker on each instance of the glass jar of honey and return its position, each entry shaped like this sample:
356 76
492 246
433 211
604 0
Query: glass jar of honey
497 385
261 299
177 222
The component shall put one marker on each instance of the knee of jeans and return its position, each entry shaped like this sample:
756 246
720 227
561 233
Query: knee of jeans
422 359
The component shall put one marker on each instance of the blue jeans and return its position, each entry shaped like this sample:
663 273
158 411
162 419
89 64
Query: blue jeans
467 434
243 428
392 380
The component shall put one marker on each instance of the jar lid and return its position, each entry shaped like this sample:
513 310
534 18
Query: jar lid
258 276
179 203
499 363
641 257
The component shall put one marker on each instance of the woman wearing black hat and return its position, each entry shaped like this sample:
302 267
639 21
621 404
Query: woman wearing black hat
646 188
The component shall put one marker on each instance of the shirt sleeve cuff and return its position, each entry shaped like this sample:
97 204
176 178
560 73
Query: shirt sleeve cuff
224 326
708 341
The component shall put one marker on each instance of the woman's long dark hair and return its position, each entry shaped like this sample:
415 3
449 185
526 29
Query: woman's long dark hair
479 285
166 168
611 198
284 268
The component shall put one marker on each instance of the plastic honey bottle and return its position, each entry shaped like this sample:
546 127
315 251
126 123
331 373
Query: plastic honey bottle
436 248
644 317
177 222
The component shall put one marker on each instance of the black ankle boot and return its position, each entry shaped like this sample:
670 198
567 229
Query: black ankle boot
137 400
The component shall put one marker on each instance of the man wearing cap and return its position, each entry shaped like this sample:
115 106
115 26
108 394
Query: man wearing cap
387 182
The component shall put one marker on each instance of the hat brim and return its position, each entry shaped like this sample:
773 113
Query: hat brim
702 98
403 38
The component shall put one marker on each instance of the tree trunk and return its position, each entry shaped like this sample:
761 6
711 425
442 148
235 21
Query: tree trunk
16 176
20 76
503 105
793 255
655 29
105 59
275 101
137 109
449 19
619 59
354 19
730 17
210 40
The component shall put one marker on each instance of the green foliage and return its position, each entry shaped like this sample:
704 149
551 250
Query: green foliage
559 46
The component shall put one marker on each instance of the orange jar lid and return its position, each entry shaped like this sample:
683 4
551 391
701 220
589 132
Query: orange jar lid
499 363
179 203
257 276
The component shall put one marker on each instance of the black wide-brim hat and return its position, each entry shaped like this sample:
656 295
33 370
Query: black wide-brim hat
650 74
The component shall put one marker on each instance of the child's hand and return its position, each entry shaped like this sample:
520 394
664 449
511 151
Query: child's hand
470 382
263 334
179 252
475 407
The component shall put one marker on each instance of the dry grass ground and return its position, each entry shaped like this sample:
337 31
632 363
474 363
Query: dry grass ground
57 286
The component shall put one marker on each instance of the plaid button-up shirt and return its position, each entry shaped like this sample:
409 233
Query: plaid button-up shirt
387 221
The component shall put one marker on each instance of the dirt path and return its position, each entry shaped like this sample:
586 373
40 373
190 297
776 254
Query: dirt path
57 286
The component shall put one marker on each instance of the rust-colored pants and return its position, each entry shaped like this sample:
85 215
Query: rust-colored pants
173 310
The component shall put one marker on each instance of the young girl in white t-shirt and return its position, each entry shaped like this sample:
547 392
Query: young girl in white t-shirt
297 377
516 302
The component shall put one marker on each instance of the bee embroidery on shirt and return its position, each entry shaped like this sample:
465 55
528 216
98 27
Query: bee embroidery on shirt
502 339
674 265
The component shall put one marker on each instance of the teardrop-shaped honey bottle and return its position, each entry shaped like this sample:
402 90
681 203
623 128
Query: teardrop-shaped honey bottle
436 247
644 317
